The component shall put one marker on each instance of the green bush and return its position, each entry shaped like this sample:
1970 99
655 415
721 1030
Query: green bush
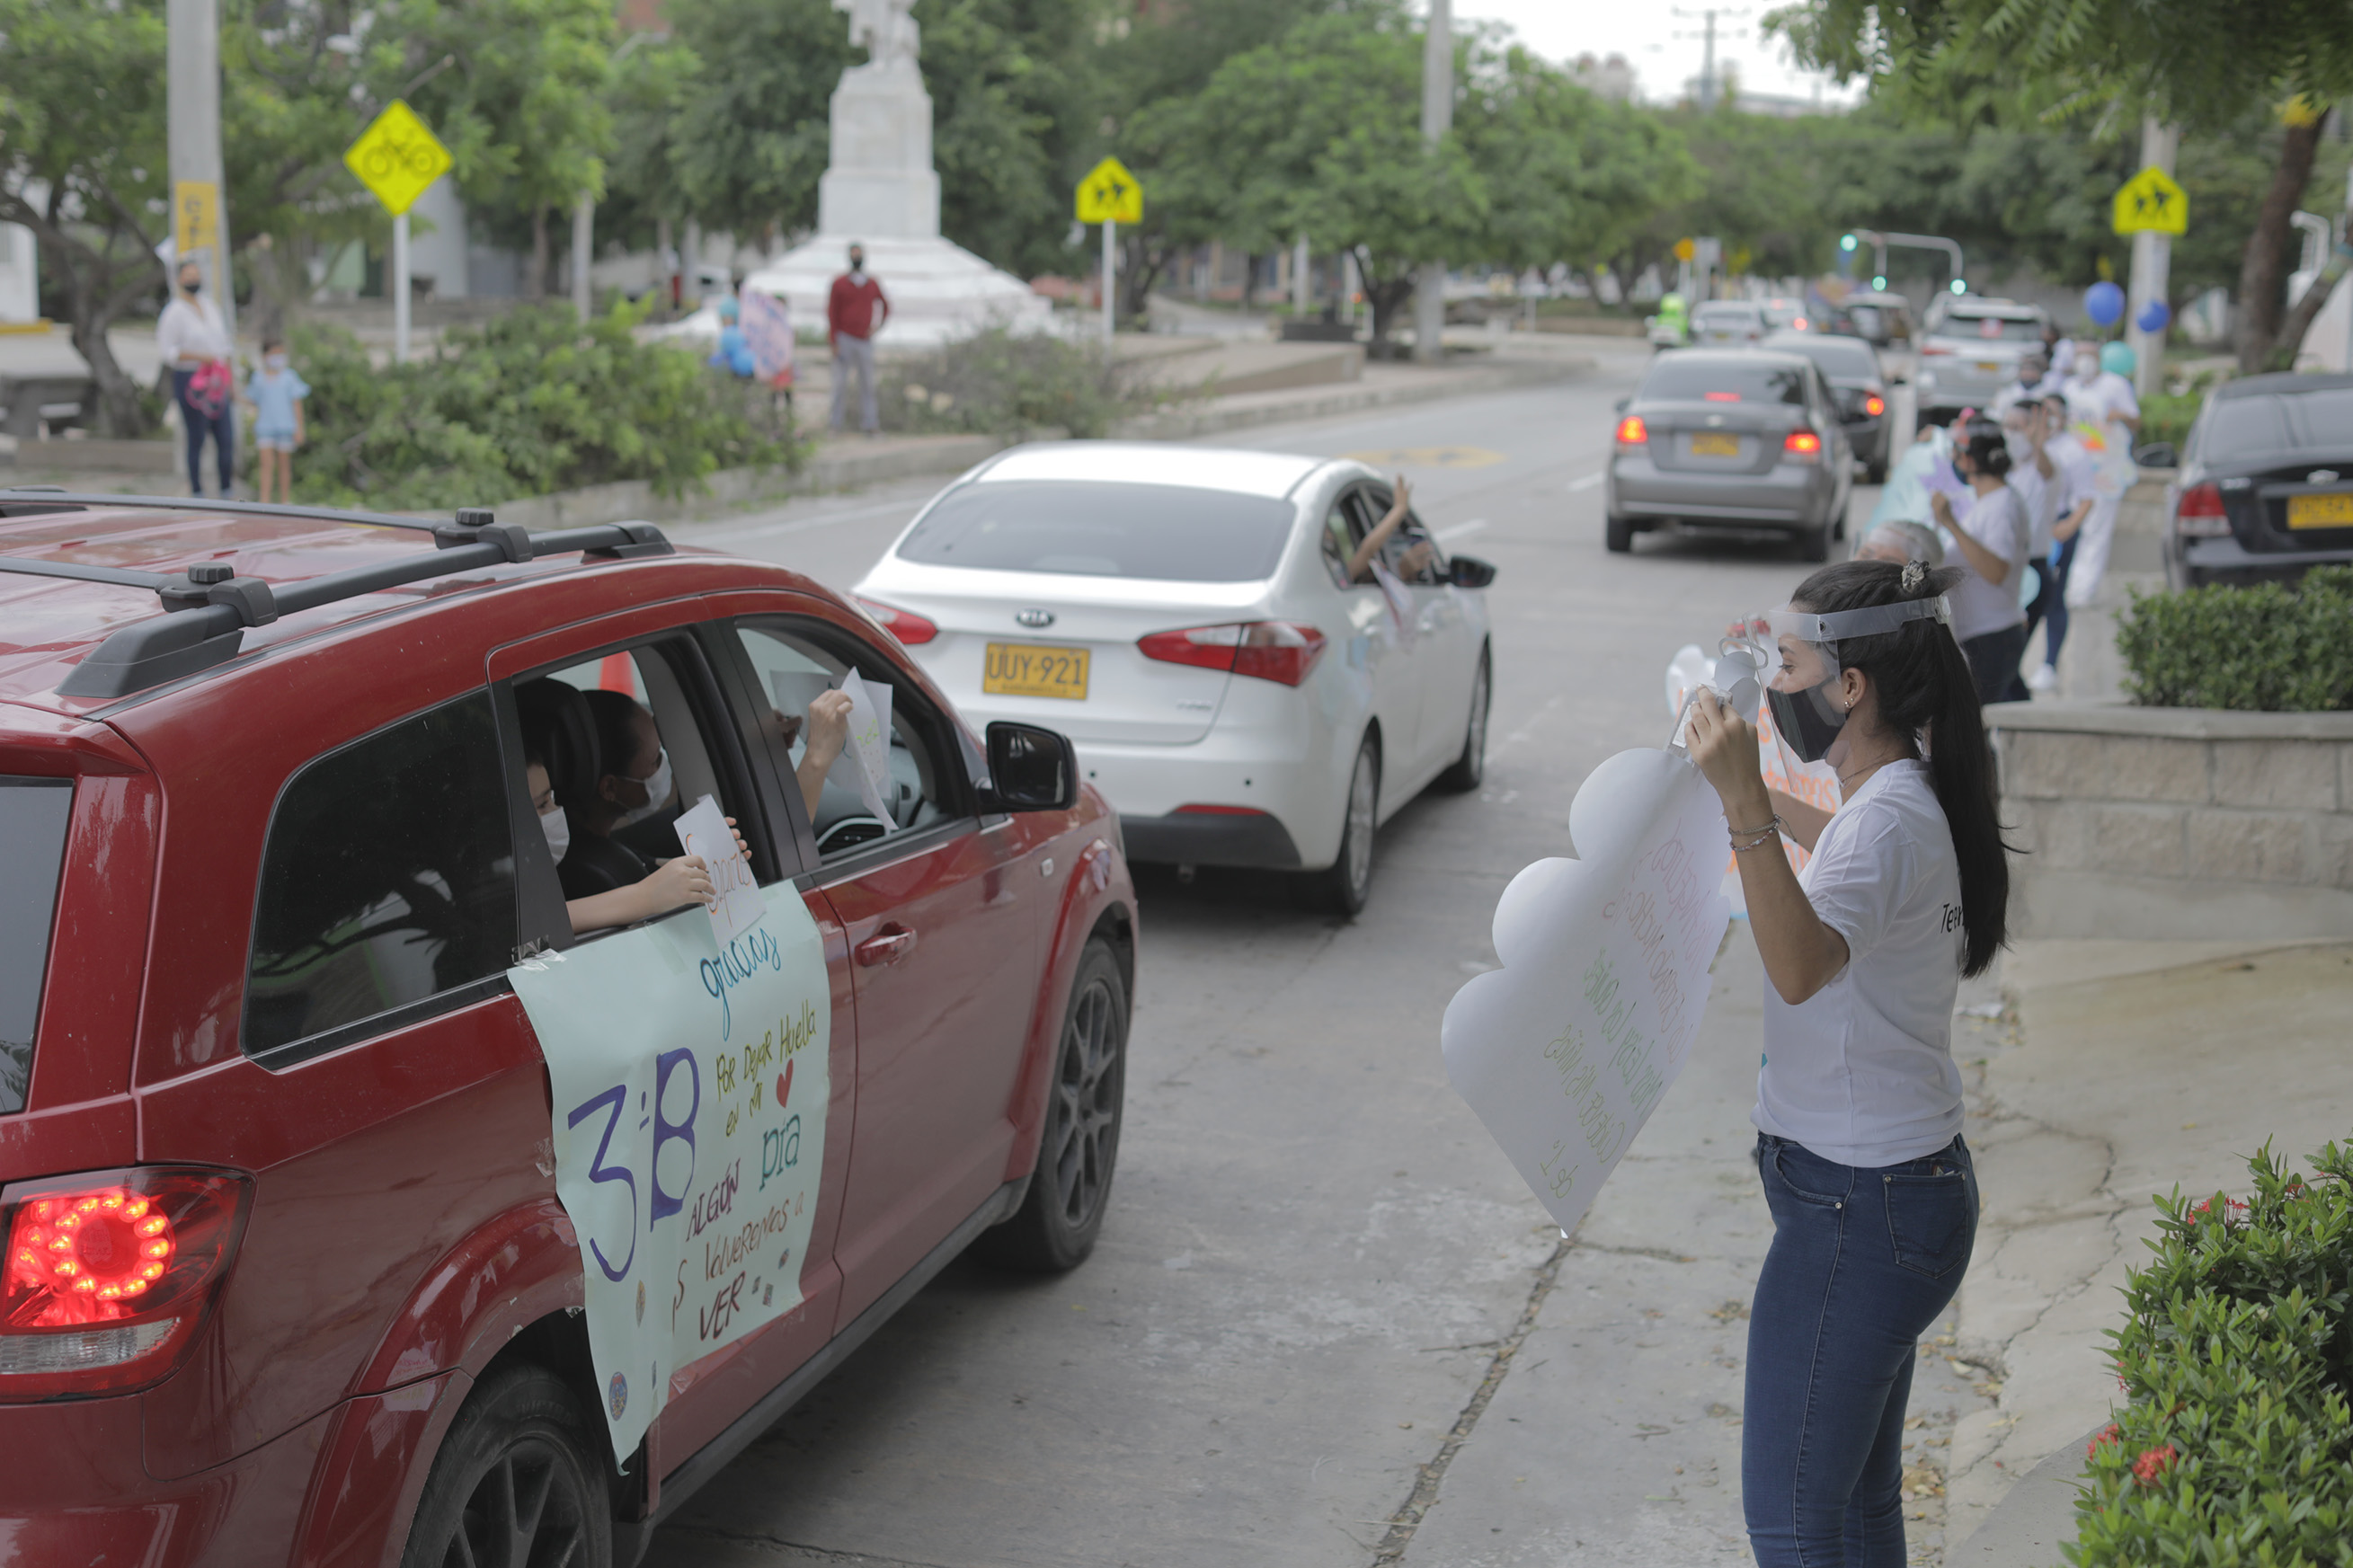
2266 648
2236 1447
533 401
1013 383
2168 416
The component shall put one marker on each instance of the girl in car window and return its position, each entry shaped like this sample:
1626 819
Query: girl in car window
670 885
1872 1188
1409 566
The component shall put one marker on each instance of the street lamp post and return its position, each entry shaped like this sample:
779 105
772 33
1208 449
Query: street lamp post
2152 263
1437 116
191 113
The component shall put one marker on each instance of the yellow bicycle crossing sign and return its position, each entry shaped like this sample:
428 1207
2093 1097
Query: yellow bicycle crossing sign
397 157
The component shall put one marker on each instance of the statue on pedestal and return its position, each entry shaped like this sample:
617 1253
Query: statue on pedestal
886 32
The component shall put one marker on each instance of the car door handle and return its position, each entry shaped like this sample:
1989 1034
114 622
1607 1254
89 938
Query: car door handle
888 945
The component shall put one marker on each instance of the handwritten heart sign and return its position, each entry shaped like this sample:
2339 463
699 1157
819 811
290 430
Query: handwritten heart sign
736 904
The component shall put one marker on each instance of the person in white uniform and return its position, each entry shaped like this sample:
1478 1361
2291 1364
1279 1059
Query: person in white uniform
1994 536
2101 398
1872 1188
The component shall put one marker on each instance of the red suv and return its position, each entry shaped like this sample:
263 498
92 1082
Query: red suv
312 1256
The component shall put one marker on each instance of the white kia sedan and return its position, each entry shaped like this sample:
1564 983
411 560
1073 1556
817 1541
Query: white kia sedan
1186 617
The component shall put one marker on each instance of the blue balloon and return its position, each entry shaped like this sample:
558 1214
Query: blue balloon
2104 303
2154 316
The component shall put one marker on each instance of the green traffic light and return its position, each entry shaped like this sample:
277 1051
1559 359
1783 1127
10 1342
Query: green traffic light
1846 242
1880 284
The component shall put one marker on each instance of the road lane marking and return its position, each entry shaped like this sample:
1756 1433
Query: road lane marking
1427 456
1516 736
801 525
1587 483
1459 528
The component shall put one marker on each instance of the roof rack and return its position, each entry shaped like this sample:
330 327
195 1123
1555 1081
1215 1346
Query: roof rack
209 607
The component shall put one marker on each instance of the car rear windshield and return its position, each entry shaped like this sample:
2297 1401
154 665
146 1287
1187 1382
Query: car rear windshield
1834 357
1723 381
1991 328
2296 422
1170 533
33 817
1728 313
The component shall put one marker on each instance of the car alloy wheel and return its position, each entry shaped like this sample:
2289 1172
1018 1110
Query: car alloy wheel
1344 888
516 1483
1471 768
1078 1147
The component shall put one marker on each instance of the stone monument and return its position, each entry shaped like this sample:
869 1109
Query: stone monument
880 190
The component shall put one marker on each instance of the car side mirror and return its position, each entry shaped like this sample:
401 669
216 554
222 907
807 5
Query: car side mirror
1621 404
2156 455
1031 768
1469 571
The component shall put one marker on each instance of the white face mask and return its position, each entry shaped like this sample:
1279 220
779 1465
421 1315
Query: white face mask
657 787
273 363
558 828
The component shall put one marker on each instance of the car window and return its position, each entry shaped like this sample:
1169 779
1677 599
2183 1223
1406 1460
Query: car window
1992 328
34 813
1177 533
627 751
1722 379
1833 356
387 879
1340 534
1374 502
2264 422
791 670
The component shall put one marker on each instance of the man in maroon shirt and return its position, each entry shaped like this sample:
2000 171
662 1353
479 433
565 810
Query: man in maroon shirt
854 311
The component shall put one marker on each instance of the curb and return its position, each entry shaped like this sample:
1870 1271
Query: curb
2027 1526
1253 410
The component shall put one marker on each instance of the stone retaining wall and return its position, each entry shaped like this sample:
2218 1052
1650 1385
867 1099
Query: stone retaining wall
2160 823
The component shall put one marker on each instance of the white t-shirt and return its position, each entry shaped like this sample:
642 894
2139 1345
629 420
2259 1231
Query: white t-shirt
2034 493
1999 521
1862 1072
197 329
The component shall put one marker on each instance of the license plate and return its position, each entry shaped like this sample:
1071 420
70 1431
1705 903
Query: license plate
1714 445
1028 669
2331 510
1993 365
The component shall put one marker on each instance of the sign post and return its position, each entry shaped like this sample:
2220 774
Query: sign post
398 158
2152 208
1109 195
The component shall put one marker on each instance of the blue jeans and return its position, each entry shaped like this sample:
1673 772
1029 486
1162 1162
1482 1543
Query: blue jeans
2051 603
221 427
1863 1262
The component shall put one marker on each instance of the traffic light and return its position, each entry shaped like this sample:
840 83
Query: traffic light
1847 242
1960 285
1879 284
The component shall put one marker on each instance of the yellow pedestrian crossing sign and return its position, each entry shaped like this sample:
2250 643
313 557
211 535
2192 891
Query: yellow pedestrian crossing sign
1110 194
2151 201
397 157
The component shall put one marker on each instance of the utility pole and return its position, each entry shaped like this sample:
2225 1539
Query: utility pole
1707 66
584 243
2152 263
191 117
1437 117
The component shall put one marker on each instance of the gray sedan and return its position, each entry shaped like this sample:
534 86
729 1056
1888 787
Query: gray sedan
1731 439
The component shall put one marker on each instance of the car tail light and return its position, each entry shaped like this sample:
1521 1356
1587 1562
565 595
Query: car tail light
2199 513
1874 406
1633 432
1268 650
109 1276
1931 349
1720 397
1801 447
1798 325
906 624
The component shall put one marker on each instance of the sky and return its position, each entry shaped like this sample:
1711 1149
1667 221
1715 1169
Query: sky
1664 45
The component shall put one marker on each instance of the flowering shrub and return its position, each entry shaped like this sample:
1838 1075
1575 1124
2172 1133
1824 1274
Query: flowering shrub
2236 1355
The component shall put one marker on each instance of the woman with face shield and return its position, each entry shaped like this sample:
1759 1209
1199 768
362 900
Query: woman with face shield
1872 1189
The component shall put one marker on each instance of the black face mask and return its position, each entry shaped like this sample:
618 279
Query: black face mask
1809 726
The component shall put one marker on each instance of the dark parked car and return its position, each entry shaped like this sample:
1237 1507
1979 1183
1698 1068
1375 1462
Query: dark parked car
2265 487
1858 386
290 991
1731 438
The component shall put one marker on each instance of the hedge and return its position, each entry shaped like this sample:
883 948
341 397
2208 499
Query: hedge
1000 383
533 401
2236 1446
2266 648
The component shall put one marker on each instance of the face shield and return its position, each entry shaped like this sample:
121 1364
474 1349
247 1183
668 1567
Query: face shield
1807 710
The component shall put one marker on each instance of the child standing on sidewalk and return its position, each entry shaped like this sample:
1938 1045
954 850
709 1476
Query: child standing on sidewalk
276 392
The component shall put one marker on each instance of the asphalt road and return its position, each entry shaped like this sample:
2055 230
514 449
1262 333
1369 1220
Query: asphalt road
1314 1254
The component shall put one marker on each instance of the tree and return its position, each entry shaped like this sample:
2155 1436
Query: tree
749 138
2200 64
83 165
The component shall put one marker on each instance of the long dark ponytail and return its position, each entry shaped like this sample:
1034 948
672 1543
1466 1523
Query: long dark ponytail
1924 690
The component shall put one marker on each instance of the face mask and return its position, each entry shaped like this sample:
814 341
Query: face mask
1806 720
657 787
558 828
858 264
192 286
273 363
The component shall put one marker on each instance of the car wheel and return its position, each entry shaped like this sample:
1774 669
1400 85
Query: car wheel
1617 534
1470 767
1814 545
1077 1148
1876 473
520 1481
1348 883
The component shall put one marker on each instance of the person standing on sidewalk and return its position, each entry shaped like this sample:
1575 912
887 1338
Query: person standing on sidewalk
193 340
854 313
1995 536
1873 1190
